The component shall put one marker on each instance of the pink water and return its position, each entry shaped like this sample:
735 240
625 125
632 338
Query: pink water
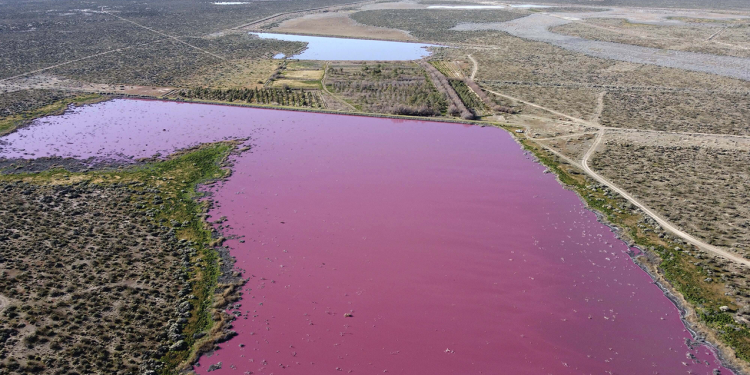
452 250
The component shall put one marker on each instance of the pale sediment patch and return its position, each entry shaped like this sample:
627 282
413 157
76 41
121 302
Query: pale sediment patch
536 27
4 302
394 5
339 24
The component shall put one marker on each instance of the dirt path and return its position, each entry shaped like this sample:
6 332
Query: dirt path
79 59
323 85
583 164
550 110
562 136
302 11
474 68
664 223
176 39
599 107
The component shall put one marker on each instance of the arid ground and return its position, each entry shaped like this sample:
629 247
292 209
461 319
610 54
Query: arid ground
642 109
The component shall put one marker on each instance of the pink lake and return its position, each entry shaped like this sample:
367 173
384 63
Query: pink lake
451 249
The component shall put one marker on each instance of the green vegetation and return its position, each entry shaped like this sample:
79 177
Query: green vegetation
124 272
468 97
283 96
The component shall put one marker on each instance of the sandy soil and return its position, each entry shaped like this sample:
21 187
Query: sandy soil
338 24
4 301
394 5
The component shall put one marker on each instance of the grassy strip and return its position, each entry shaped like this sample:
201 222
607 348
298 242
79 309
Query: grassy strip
684 272
10 123
171 190
470 99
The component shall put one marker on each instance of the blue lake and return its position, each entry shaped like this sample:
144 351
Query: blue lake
326 48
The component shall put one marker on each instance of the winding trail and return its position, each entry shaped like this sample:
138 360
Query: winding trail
474 68
599 107
584 165
664 223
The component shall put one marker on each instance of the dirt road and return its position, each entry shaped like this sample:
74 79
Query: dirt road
583 164
474 68
664 223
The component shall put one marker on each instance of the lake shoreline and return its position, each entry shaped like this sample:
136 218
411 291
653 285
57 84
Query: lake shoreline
649 262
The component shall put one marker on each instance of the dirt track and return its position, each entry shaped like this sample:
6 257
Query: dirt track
583 164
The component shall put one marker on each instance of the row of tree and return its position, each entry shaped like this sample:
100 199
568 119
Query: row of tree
278 96
457 107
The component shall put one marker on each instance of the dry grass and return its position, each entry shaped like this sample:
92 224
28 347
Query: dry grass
573 147
702 187
249 73
703 112
300 75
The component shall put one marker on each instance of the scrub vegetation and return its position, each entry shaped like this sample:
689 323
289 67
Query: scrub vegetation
79 292
80 288
726 38
712 203
39 34
170 63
